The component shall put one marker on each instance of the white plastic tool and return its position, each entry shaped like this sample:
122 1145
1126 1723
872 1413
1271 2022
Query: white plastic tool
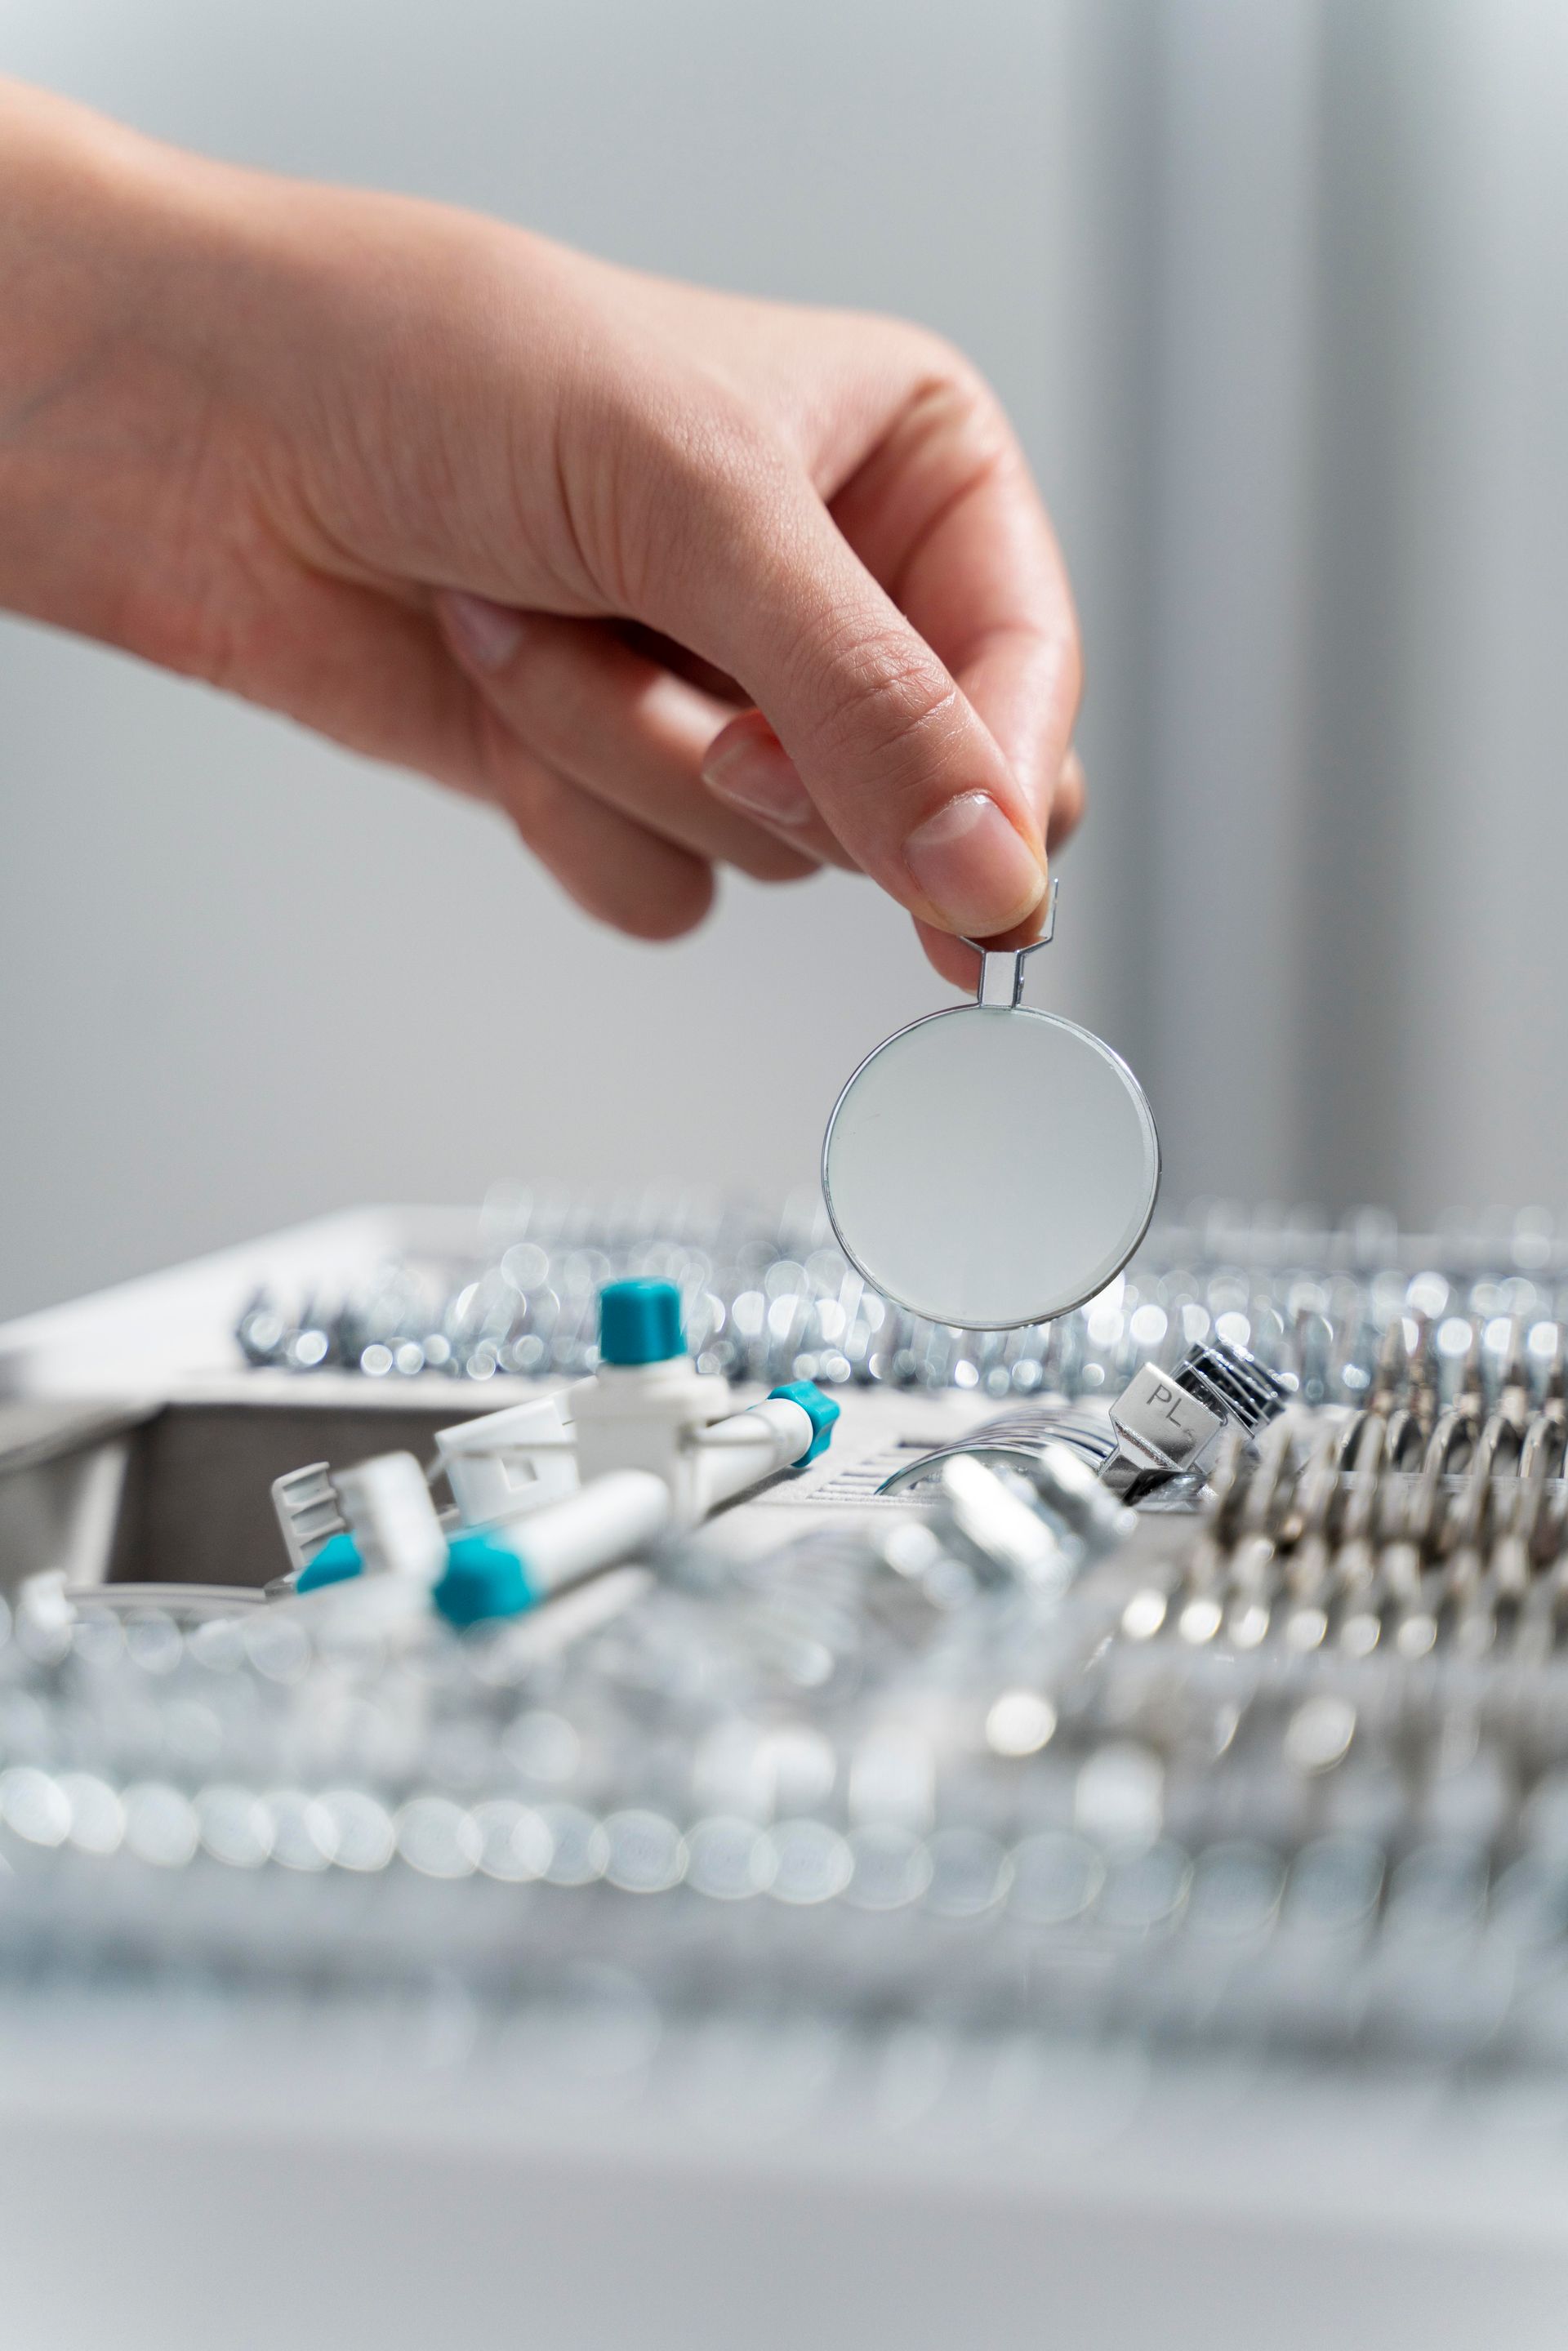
504 1571
308 1513
645 1415
991 1165
505 1463
731 1456
655 1417
553 1490
648 1408
391 1518
621 1512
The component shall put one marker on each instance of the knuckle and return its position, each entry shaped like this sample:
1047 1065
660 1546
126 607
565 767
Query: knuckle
927 356
948 384
696 463
886 692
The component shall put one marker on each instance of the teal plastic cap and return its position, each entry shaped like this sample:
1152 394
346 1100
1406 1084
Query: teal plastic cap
335 1562
482 1579
820 1410
640 1322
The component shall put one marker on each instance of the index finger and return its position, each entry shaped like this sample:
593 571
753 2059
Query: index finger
946 514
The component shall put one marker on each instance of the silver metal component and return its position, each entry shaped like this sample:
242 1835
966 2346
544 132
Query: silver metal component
1019 1440
924 1469
1161 1430
1001 969
1233 1384
987 1522
1001 978
1166 1421
1070 1492
1358 1315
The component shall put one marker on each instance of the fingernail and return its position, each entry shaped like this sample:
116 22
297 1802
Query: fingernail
978 873
485 633
758 777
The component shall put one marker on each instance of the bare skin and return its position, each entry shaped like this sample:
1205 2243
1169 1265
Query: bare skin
675 578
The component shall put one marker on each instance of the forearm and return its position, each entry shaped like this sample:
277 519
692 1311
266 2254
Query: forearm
174 330
112 251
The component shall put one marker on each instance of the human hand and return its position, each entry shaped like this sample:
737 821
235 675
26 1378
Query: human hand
673 578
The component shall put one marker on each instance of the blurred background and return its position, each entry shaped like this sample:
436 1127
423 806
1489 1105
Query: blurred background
1279 298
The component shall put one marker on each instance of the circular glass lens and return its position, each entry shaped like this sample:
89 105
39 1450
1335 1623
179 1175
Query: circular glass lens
988 1167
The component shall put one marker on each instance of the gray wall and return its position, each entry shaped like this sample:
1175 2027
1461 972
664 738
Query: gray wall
1279 299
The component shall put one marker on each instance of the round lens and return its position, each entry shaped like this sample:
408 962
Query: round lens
989 1168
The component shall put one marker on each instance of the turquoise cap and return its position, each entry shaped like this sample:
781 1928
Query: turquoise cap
482 1579
820 1410
335 1562
640 1322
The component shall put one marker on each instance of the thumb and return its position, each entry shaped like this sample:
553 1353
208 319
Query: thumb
857 720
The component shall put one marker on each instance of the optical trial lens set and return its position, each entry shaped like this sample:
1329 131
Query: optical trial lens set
959 1602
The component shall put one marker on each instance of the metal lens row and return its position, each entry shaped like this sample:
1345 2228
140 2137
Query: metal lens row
771 1297
1400 1529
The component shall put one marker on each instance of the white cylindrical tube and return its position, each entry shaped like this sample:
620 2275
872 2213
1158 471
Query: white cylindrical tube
391 1518
370 1607
604 1521
504 1571
740 1451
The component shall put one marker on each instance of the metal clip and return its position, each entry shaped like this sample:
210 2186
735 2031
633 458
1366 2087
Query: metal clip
1000 985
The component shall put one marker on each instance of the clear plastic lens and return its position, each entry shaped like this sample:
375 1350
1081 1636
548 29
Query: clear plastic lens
990 1169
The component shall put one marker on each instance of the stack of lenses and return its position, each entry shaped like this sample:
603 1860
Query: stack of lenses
981 1770
769 1298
